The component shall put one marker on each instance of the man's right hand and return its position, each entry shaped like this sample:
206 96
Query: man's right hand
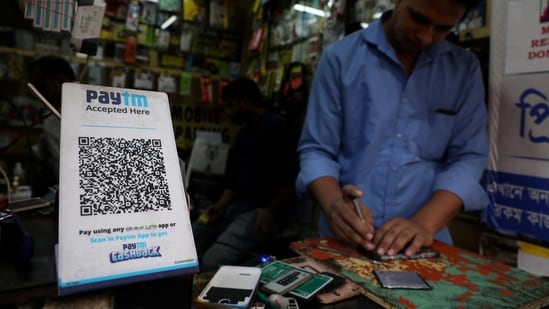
346 223
337 204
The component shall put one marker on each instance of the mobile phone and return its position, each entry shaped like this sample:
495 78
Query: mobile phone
231 286
28 204
423 253
287 282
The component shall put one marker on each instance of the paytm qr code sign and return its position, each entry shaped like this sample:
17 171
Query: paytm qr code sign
123 215
132 178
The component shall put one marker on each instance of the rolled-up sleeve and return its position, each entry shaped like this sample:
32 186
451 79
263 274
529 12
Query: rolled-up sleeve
321 135
468 150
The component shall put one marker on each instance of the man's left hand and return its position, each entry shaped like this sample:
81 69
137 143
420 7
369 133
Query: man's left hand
401 234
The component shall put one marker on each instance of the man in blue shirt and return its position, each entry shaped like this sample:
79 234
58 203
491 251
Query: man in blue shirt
396 120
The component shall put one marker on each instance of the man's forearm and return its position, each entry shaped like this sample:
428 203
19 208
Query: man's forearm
326 192
439 210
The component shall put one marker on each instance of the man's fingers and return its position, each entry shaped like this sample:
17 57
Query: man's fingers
414 246
400 234
346 232
351 191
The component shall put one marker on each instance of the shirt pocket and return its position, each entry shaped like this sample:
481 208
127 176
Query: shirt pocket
435 134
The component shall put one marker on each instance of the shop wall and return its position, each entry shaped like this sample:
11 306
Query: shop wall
190 61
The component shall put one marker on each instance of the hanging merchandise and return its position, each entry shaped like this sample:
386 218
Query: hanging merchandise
218 13
169 5
221 85
206 89
185 83
335 24
132 16
143 79
255 39
130 50
194 10
167 83
149 13
292 96
119 77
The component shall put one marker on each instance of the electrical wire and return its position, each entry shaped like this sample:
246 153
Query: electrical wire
23 120
24 131
84 69
7 182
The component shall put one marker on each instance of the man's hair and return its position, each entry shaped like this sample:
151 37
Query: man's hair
51 66
241 88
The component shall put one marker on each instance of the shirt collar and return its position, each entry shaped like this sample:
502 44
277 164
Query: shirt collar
375 35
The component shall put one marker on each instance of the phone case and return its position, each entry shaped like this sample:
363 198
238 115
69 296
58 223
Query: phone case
391 279
231 286
331 293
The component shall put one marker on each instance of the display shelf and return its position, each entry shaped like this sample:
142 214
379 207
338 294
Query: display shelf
108 63
476 25
474 34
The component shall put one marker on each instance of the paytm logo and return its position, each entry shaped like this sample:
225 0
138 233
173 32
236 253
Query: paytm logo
117 98
534 110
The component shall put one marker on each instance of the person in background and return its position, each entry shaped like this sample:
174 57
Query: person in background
259 180
47 74
396 121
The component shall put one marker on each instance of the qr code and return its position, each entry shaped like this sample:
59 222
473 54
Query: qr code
121 176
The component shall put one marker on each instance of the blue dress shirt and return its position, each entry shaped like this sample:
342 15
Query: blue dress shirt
397 137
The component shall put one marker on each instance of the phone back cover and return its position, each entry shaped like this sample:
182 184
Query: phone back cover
230 287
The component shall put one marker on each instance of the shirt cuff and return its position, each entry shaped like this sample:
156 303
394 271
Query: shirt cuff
312 170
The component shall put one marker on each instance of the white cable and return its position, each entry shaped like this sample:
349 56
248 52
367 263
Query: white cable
7 183
41 97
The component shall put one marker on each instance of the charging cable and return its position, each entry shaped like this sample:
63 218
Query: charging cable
7 182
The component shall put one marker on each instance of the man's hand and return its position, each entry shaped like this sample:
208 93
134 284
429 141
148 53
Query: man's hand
216 210
345 221
418 231
211 214
401 233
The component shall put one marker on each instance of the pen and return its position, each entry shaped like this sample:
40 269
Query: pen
358 210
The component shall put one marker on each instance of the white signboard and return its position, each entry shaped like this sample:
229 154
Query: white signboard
527 39
519 184
518 172
123 215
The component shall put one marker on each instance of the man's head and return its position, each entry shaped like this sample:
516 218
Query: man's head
47 74
418 24
243 100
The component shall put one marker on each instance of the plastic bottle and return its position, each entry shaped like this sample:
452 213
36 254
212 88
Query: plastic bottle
19 172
